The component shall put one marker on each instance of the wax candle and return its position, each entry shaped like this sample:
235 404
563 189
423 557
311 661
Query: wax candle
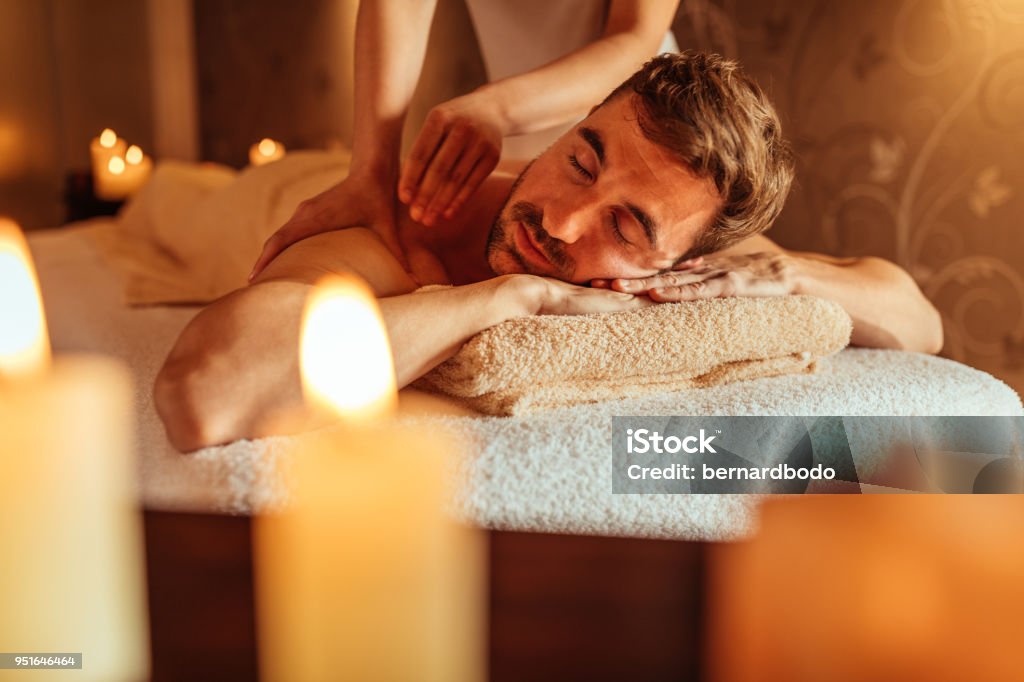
265 151
123 176
104 147
361 576
873 587
72 570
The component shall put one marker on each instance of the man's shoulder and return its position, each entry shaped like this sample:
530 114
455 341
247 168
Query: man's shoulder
355 250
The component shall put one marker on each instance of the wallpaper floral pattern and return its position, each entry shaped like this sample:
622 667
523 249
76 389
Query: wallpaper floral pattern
908 120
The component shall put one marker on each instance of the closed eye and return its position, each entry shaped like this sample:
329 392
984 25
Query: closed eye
617 231
579 168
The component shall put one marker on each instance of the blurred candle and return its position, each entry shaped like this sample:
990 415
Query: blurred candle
265 151
361 576
873 587
123 176
73 574
104 147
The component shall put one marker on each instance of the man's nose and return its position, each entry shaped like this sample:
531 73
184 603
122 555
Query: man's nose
568 218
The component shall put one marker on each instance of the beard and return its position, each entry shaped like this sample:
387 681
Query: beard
501 249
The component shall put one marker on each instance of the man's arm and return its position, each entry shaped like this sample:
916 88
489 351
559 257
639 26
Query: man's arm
887 307
235 365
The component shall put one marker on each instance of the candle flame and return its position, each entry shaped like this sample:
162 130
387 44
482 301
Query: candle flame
345 356
267 147
24 344
133 155
116 165
108 138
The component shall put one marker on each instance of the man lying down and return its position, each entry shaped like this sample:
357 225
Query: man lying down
660 194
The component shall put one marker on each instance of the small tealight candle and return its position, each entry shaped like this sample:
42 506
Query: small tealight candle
133 155
265 151
123 176
104 147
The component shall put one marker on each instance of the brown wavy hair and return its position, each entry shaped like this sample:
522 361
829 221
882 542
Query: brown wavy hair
717 120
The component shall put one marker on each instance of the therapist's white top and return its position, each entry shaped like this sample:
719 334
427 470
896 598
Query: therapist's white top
516 36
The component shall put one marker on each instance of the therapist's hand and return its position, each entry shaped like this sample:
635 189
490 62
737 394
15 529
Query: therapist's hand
458 147
364 199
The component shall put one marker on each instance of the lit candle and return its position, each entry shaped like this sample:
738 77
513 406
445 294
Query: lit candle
123 176
73 576
361 576
265 151
104 147
872 587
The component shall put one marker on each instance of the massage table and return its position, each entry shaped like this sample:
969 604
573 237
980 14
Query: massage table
546 472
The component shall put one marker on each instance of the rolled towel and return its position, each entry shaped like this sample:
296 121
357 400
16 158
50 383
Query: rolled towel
547 361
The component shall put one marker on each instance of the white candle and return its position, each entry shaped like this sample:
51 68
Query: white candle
73 576
123 176
362 576
103 147
265 151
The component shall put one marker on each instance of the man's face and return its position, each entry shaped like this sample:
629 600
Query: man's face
603 202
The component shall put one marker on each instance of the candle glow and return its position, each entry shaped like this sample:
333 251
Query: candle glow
116 165
267 147
361 575
265 151
24 343
345 356
108 138
66 495
133 155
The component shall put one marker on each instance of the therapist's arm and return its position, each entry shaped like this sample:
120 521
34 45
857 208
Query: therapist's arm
568 87
390 43
460 142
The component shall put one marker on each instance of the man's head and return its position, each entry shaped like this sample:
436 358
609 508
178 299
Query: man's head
684 158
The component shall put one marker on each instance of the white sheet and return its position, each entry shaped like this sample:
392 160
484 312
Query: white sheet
547 472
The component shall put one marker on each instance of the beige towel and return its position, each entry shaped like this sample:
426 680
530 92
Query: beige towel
193 232
547 361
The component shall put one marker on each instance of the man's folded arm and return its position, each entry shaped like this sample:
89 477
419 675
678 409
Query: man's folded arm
887 307
236 363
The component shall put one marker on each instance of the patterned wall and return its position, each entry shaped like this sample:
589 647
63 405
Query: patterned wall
284 70
907 117
908 120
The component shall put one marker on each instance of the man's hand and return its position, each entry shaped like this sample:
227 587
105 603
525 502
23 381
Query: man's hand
363 199
548 296
753 274
458 147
